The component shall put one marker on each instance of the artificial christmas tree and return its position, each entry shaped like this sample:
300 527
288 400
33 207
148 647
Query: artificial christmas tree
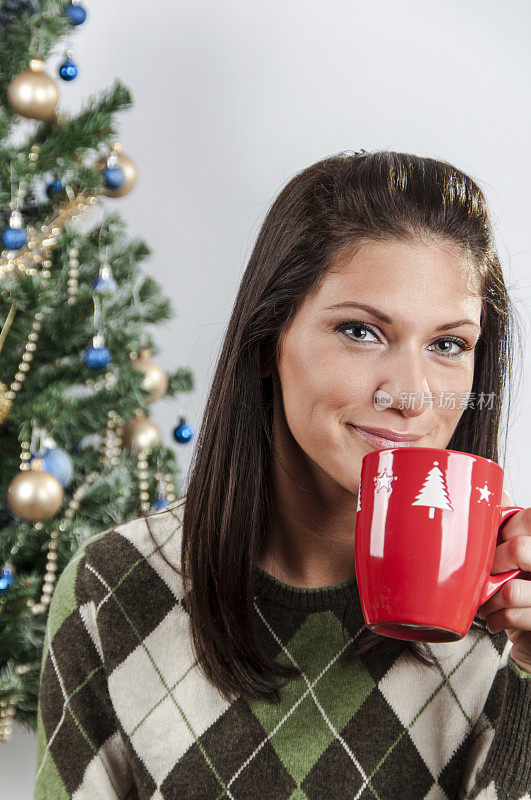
80 453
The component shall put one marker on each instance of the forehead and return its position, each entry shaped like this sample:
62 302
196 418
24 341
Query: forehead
404 277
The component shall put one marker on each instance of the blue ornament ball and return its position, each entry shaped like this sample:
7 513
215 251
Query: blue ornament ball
105 284
75 13
113 177
183 433
6 578
68 70
57 463
14 238
97 357
160 503
53 188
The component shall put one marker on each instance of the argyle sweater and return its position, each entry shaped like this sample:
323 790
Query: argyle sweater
125 712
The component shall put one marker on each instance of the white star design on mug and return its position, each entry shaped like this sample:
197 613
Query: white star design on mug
384 481
485 493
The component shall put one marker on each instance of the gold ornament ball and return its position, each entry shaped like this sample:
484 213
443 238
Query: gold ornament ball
5 403
34 494
128 166
140 433
33 93
155 379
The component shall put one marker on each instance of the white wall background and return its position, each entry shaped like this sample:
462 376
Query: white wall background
231 99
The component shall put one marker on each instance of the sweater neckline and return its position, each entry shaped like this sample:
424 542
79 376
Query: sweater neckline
301 597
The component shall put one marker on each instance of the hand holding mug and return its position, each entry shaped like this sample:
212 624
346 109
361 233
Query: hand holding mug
511 605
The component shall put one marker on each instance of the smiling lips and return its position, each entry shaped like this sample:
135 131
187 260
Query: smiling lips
386 438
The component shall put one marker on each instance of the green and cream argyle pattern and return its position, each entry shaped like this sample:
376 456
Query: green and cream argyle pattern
125 711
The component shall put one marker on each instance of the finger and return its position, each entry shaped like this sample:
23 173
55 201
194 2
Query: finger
516 593
517 525
513 554
517 618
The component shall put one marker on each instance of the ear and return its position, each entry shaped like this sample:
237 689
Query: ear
267 360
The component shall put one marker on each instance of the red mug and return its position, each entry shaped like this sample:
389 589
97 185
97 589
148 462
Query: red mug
427 526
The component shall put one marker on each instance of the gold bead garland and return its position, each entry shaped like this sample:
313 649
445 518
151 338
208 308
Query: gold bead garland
111 446
109 454
110 449
107 381
7 714
8 709
33 155
51 564
5 404
37 249
27 357
143 485
73 274
167 478
40 250
143 494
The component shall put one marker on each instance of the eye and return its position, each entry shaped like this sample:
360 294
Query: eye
463 347
356 325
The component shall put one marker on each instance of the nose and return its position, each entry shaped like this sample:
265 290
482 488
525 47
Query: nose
404 386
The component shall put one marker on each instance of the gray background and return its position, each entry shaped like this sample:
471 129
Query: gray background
231 99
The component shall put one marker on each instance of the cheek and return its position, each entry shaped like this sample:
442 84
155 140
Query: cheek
455 388
320 391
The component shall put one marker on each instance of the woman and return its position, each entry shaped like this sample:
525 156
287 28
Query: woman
249 672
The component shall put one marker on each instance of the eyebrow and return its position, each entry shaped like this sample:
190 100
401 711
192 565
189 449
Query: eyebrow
384 318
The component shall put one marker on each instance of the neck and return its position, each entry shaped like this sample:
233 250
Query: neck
311 540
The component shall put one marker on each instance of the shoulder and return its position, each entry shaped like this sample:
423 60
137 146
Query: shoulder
125 584
136 560
144 552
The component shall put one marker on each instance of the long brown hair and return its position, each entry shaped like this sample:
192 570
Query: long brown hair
324 209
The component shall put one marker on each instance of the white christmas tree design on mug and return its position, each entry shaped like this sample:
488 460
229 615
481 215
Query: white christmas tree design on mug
434 493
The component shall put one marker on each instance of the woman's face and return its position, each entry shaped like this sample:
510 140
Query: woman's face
332 360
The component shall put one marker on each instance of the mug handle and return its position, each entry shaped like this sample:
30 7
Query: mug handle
495 582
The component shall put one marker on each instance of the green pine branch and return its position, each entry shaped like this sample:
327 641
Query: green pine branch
93 125
63 143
